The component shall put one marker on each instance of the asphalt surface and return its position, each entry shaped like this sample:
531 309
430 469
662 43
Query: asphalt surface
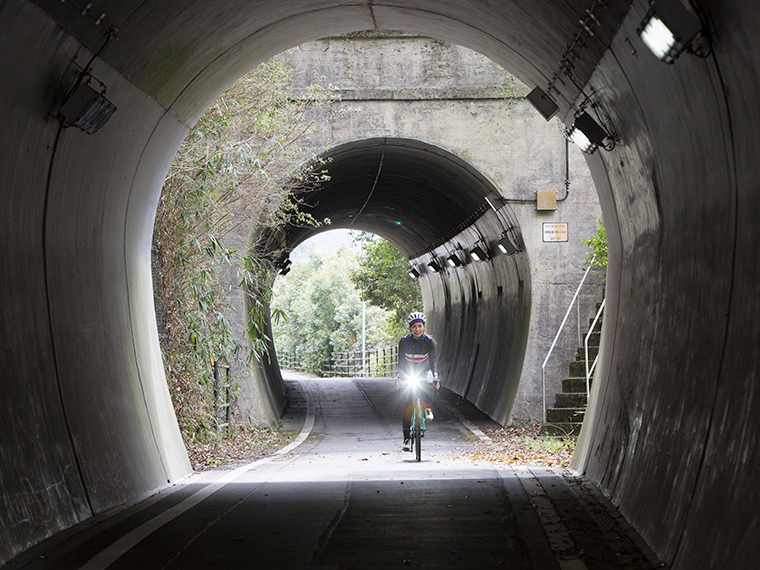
345 495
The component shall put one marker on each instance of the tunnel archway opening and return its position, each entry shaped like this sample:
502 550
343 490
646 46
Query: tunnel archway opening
431 205
342 304
80 226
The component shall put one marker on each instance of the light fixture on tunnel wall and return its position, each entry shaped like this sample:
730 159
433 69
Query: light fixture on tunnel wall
434 266
587 134
668 29
544 104
413 273
86 109
453 260
495 201
479 253
506 246
285 266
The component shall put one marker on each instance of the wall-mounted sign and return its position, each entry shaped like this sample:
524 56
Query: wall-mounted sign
555 231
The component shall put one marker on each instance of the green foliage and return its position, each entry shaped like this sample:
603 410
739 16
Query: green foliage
598 245
511 92
382 278
324 311
549 444
227 173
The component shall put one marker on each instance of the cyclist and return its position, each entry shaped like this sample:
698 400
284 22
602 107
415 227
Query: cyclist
416 357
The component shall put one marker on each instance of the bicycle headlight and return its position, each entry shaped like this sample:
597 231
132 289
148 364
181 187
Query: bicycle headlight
414 381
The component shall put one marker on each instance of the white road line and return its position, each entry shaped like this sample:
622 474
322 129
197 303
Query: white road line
308 423
111 553
466 423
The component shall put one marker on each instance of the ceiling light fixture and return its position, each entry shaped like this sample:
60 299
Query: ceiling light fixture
413 273
587 133
434 266
496 201
506 246
453 260
478 253
87 109
285 266
668 29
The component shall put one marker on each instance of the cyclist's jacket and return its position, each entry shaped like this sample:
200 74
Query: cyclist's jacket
416 357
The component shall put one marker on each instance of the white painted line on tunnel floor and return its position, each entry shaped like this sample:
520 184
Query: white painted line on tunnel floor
308 423
113 552
466 423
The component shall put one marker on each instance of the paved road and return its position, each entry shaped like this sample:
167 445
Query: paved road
347 496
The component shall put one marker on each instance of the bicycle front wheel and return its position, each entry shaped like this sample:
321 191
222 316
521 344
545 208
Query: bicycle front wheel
418 441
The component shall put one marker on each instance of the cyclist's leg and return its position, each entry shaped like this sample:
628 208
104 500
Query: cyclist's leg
406 417
428 395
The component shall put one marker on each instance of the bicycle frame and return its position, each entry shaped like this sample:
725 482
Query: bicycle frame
417 429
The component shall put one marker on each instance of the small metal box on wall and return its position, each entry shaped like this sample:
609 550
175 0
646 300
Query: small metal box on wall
546 200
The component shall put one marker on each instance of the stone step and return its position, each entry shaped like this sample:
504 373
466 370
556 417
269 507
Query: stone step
561 429
580 354
565 415
571 400
593 340
575 384
578 369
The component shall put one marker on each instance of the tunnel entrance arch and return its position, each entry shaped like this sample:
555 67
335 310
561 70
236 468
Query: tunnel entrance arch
431 205
664 443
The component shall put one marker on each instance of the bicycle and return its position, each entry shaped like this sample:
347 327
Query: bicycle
417 429
419 413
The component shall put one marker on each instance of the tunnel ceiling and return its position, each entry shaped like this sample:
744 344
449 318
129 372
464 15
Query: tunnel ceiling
182 54
411 193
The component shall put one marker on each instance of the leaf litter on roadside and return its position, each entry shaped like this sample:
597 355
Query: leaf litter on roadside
521 445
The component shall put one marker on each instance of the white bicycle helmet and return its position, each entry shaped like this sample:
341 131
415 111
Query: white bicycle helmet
416 317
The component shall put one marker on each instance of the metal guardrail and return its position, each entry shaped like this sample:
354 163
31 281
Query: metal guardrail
556 337
377 363
590 371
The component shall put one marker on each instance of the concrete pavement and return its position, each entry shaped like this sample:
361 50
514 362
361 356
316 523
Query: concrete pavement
346 496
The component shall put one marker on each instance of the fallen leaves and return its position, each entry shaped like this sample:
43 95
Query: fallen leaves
521 445
244 446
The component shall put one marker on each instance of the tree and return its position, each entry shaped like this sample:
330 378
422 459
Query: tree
598 245
382 277
324 311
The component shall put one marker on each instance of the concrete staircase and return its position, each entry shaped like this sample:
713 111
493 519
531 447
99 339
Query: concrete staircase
566 417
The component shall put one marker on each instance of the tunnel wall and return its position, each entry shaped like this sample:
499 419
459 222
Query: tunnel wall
673 436
479 314
89 428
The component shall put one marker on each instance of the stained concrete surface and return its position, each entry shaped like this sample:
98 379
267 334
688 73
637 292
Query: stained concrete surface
349 497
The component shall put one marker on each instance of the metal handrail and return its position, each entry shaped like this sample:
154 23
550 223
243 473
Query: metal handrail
589 372
382 361
570 308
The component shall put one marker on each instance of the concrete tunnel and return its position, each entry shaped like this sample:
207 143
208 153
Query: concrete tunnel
431 205
672 431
